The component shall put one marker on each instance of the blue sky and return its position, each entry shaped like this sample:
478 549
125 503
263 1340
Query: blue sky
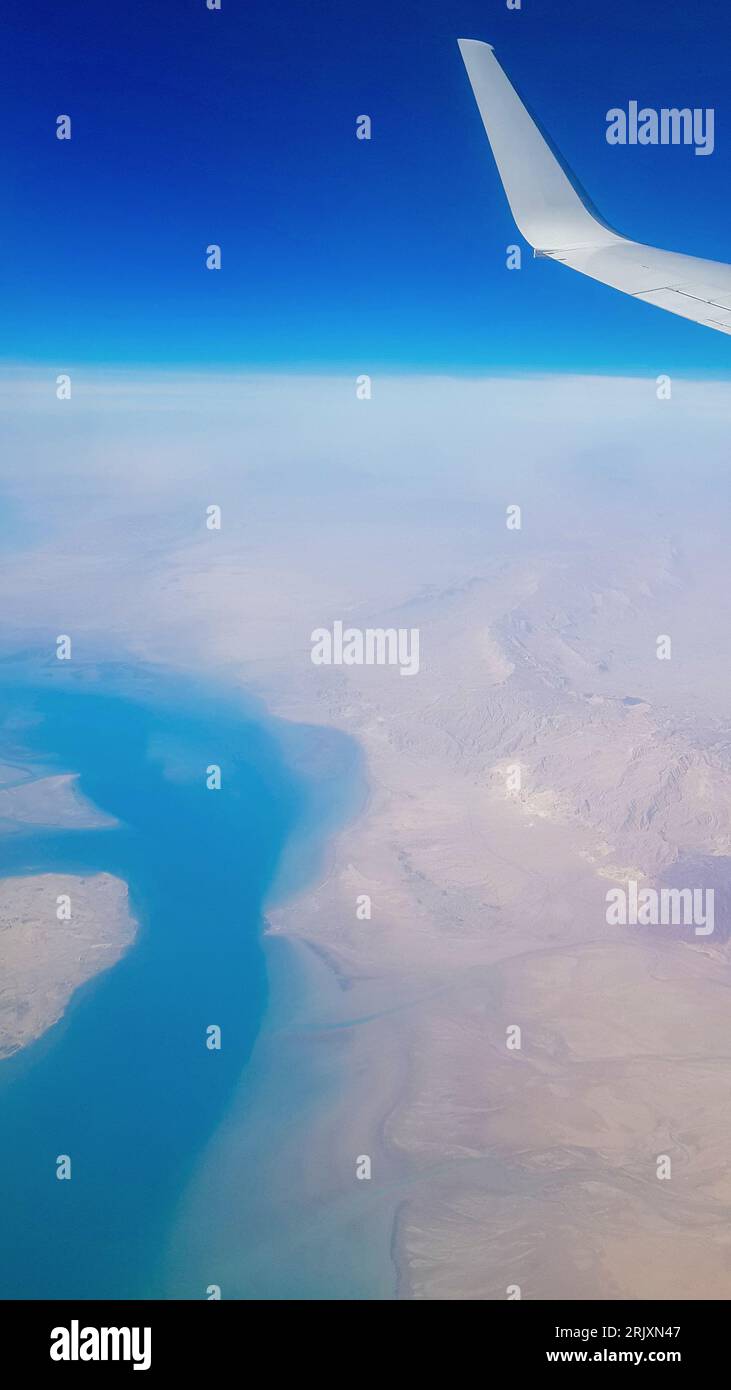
238 127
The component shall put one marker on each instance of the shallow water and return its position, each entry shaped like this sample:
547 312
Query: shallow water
274 1210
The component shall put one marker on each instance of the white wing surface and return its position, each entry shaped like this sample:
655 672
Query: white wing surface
559 222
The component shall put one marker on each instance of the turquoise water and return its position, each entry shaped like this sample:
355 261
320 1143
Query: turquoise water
124 1084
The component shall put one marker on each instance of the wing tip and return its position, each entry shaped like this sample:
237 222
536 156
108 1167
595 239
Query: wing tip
463 44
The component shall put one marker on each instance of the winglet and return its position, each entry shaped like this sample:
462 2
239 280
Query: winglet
548 209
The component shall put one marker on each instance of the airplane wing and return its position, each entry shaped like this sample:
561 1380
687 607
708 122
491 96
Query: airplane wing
556 217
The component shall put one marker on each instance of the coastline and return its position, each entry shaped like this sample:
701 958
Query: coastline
488 899
333 1069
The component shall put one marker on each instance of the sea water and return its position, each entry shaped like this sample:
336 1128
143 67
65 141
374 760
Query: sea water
124 1083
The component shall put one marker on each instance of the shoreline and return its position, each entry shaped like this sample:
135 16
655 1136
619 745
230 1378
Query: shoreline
338 1069
284 910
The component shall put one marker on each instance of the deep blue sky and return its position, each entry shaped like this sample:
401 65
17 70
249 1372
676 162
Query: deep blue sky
238 127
